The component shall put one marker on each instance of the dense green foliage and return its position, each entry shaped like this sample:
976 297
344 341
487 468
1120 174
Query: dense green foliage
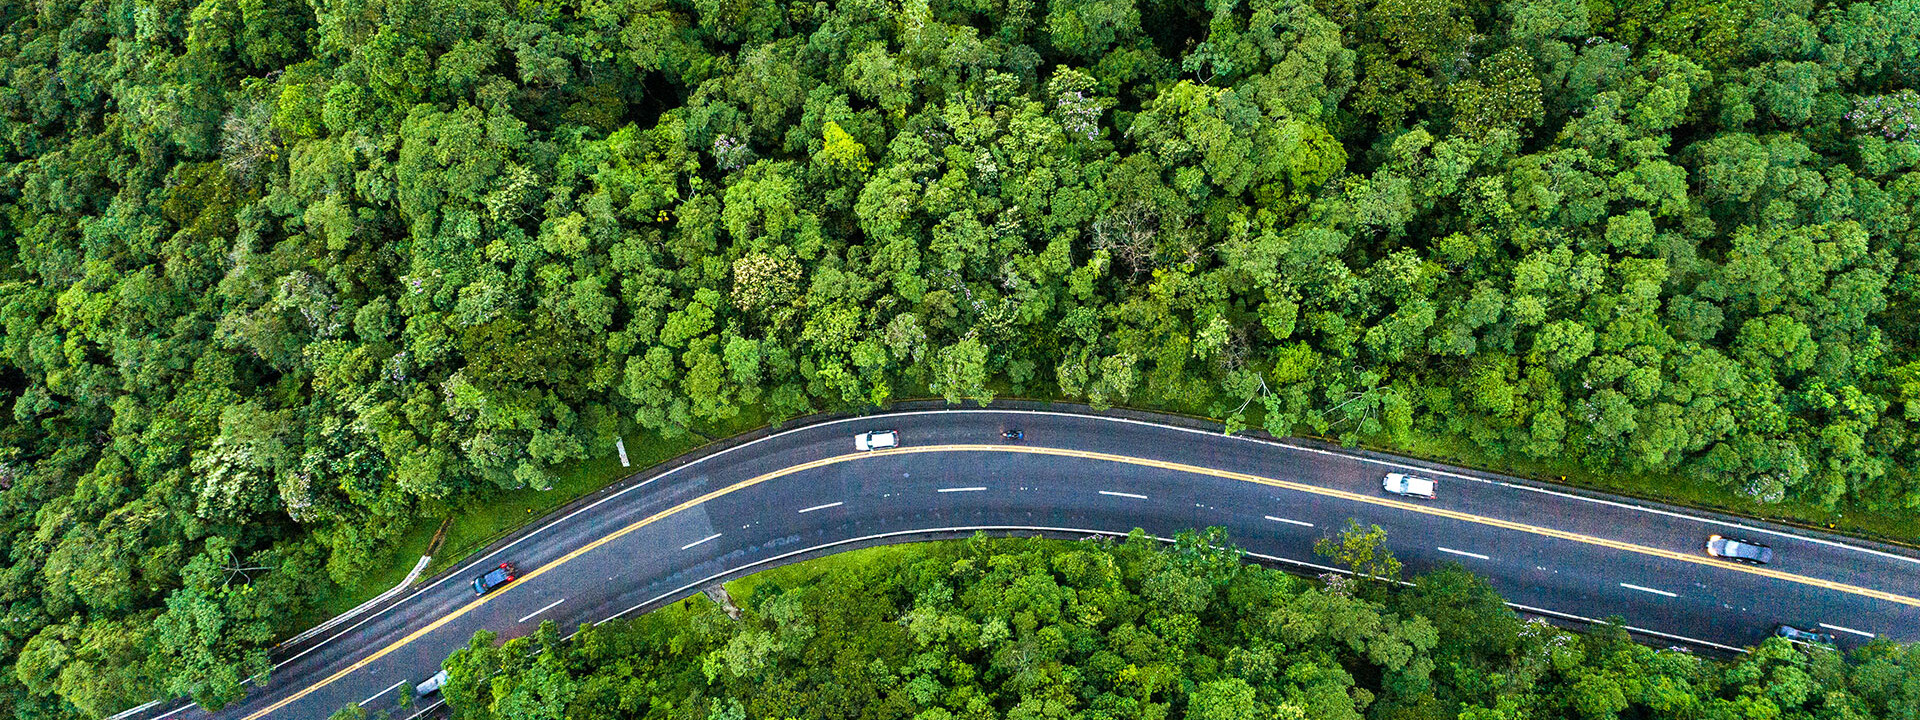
279 276
1023 630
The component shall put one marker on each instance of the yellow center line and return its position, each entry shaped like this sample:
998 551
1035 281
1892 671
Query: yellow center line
1089 455
542 570
1697 559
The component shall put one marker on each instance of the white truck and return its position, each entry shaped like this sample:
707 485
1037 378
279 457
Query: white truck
876 440
1404 484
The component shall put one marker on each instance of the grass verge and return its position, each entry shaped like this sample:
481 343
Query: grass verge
405 552
481 521
805 573
677 614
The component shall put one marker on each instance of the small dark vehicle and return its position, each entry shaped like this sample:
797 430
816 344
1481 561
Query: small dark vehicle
495 578
1013 435
1803 637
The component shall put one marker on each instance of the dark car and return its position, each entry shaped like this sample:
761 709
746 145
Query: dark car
1804 637
1746 551
495 578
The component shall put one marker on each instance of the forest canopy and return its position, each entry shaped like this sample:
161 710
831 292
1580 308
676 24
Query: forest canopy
1036 630
278 277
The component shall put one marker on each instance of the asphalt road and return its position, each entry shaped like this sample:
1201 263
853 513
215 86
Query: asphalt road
808 490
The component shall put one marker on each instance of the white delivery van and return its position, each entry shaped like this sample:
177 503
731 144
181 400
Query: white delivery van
1404 484
876 440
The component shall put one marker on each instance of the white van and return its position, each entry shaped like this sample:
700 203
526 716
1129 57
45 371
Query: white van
876 440
1404 484
430 685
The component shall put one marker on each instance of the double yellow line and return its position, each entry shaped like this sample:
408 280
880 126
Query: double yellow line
1088 455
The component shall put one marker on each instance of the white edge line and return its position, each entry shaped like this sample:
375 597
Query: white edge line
968 528
1403 466
701 540
1282 442
549 606
1555 493
1452 551
175 711
134 710
363 703
823 507
1135 496
960 489
336 620
1711 521
1301 523
1642 588
473 563
1004 528
1517 606
430 708
1861 633
1629 628
476 562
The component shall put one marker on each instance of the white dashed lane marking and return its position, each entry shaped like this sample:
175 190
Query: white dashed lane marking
1290 522
1631 586
823 507
549 606
1861 633
1135 496
382 692
1451 551
701 540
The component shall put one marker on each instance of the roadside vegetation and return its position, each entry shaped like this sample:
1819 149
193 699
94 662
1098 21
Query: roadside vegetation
283 280
1031 630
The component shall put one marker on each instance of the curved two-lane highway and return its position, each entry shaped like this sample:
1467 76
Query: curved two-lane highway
807 489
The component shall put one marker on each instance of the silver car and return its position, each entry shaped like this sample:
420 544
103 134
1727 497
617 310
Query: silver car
1746 551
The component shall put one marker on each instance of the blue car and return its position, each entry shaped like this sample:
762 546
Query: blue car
495 578
1804 637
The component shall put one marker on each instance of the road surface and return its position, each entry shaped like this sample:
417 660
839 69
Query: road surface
807 491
